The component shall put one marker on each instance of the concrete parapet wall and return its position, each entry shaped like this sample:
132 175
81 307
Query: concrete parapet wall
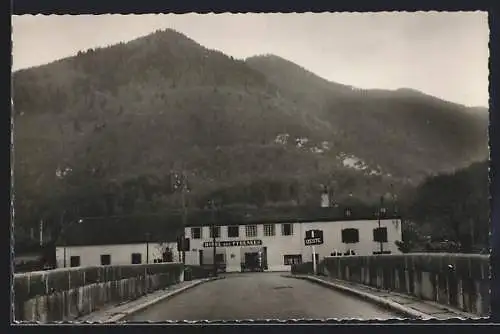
68 293
196 272
458 280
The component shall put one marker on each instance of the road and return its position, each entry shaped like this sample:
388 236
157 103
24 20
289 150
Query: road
260 296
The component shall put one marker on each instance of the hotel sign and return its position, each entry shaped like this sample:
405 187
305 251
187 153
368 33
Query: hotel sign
312 242
236 243
313 237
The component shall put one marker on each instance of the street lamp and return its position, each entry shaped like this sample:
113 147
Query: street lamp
147 248
63 235
394 201
212 207
184 214
380 211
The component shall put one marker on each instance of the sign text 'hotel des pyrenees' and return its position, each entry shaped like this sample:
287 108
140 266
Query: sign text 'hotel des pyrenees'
236 243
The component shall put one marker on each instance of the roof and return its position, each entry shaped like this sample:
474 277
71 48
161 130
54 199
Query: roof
121 230
165 227
282 215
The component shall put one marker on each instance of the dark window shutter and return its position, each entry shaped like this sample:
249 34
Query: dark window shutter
380 234
350 235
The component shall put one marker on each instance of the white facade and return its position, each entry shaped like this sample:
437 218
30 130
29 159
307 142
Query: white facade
118 254
278 246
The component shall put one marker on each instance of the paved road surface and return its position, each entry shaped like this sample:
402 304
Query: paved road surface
260 296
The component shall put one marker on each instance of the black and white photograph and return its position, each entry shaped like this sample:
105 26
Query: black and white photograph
233 167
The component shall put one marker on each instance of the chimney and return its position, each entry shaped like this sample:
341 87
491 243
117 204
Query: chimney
325 198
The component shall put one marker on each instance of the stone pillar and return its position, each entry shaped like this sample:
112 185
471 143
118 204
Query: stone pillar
407 281
181 276
396 280
417 283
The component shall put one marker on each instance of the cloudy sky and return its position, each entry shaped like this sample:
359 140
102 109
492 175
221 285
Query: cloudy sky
443 54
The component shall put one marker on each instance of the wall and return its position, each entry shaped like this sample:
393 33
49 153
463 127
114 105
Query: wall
120 254
68 293
458 280
279 245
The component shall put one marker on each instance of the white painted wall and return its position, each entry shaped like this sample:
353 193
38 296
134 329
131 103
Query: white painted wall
120 254
279 245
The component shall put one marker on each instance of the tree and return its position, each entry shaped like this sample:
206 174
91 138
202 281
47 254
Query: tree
455 206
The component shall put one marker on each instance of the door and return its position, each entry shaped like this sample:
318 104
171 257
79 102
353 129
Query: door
220 262
264 258
200 254
252 261
74 261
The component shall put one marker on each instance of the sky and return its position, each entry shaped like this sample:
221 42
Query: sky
438 53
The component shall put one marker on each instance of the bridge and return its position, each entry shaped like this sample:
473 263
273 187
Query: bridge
440 286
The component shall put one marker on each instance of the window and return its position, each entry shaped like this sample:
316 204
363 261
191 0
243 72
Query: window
136 258
167 256
74 261
269 230
286 229
380 234
233 231
251 231
350 235
288 260
105 260
196 232
382 212
215 230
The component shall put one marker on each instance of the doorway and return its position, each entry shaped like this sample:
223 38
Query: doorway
254 260
200 257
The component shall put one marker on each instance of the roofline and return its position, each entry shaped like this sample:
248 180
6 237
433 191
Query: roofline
294 220
62 245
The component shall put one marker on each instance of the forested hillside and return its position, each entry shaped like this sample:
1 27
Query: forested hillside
451 207
106 131
406 132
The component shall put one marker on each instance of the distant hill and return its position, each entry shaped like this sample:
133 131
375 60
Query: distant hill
103 132
406 132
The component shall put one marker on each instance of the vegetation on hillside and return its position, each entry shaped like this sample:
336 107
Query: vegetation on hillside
414 134
102 133
451 209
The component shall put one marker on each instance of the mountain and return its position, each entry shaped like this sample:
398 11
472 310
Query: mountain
415 134
104 132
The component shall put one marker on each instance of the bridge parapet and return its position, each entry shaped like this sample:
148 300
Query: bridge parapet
68 293
458 280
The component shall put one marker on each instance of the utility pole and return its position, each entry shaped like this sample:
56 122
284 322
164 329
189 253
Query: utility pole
64 253
393 201
147 248
212 207
184 214
379 225
314 254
